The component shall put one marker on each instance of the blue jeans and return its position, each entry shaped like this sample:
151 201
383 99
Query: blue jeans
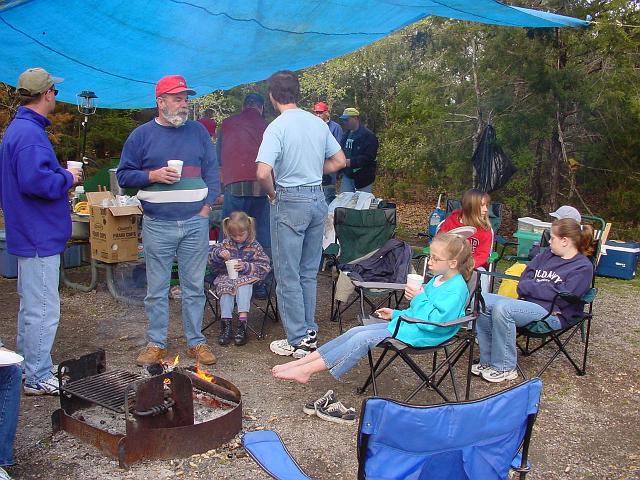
256 207
297 225
347 185
343 353
497 329
188 240
242 298
39 314
10 385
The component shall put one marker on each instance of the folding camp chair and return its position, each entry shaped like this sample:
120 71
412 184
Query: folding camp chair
358 233
268 307
453 349
479 439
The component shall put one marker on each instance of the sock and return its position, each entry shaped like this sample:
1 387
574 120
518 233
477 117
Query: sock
242 317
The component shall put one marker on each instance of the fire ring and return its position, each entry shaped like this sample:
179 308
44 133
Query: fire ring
158 410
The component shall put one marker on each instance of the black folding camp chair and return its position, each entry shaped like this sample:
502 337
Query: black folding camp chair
453 349
268 307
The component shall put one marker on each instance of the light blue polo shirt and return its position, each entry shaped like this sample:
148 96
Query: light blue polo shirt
295 145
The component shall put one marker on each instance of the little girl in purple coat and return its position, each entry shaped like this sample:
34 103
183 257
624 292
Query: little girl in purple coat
252 266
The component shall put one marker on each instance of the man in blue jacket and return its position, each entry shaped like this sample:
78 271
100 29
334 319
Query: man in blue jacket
176 213
34 198
360 146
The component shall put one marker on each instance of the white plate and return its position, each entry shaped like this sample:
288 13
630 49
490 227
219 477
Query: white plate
464 232
9 358
83 214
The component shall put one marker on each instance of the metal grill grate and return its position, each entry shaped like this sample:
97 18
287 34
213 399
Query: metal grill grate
105 389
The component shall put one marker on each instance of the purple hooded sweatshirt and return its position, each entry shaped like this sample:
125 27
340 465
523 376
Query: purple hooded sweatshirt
548 274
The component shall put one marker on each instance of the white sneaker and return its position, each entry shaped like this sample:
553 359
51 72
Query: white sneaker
45 387
4 475
494 376
478 368
307 345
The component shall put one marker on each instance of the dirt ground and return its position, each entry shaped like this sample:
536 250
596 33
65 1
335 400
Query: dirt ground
587 427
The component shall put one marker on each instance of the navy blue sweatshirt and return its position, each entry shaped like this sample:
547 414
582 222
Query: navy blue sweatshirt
149 147
33 189
548 274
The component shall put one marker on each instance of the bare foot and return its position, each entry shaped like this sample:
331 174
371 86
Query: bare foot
300 375
282 367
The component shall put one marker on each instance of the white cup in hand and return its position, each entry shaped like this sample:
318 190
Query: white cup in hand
176 165
414 280
231 268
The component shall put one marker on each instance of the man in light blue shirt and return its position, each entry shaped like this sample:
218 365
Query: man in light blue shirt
297 149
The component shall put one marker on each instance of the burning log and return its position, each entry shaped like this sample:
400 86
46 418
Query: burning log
211 384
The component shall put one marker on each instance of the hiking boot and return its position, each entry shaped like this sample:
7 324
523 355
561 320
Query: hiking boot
203 354
478 368
150 354
44 387
226 331
241 335
494 376
337 413
312 406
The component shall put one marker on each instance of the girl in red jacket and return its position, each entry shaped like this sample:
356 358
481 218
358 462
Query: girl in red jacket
474 213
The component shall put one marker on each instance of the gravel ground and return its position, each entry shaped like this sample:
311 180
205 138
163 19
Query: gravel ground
587 427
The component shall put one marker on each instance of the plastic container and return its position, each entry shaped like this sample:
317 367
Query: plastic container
72 256
525 224
619 260
539 226
525 241
8 262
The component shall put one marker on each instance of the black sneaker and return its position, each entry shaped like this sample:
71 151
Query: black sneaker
312 406
337 413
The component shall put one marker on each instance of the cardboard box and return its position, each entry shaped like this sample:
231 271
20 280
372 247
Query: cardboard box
113 231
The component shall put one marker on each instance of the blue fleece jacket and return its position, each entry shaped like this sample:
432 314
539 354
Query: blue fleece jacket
436 304
149 147
33 189
548 274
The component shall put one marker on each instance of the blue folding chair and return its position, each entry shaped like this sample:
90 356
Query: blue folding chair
479 439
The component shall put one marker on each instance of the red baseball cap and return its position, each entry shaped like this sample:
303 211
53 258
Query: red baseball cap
320 107
173 84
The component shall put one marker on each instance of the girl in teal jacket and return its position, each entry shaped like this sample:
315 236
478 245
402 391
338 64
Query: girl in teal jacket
442 299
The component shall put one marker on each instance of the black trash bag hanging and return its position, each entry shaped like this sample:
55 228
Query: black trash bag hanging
493 167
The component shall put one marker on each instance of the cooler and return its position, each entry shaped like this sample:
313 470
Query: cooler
8 262
619 260
525 241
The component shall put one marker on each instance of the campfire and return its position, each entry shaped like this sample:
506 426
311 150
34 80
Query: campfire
168 411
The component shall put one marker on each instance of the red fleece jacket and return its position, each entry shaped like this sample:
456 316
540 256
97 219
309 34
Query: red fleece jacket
480 242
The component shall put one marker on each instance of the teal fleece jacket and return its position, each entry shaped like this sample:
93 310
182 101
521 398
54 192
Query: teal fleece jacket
435 304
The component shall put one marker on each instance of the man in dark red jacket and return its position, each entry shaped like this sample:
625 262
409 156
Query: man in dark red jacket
239 138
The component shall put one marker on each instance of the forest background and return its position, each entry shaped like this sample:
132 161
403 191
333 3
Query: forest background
565 104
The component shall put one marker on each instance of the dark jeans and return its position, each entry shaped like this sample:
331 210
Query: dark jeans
10 384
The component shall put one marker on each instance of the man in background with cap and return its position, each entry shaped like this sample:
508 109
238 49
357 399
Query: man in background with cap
239 138
34 198
176 213
321 110
360 146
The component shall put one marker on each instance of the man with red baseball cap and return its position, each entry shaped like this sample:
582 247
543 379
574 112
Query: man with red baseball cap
176 200
321 110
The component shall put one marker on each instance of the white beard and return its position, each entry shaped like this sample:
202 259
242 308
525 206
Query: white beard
177 118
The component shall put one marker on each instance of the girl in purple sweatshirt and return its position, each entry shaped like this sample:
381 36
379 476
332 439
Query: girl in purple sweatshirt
564 267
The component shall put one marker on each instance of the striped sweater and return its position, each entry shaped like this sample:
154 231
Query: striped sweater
149 147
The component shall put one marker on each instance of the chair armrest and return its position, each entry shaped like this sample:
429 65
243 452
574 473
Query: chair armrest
332 250
498 275
379 285
370 319
450 323
493 258
516 258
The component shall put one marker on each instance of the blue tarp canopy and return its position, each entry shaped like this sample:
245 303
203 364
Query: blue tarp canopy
119 48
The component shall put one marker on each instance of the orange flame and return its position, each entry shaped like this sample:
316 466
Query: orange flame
203 374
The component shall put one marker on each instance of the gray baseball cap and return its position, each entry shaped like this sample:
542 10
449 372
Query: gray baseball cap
33 81
567 211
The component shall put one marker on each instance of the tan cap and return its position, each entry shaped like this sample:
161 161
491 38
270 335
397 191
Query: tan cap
36 80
